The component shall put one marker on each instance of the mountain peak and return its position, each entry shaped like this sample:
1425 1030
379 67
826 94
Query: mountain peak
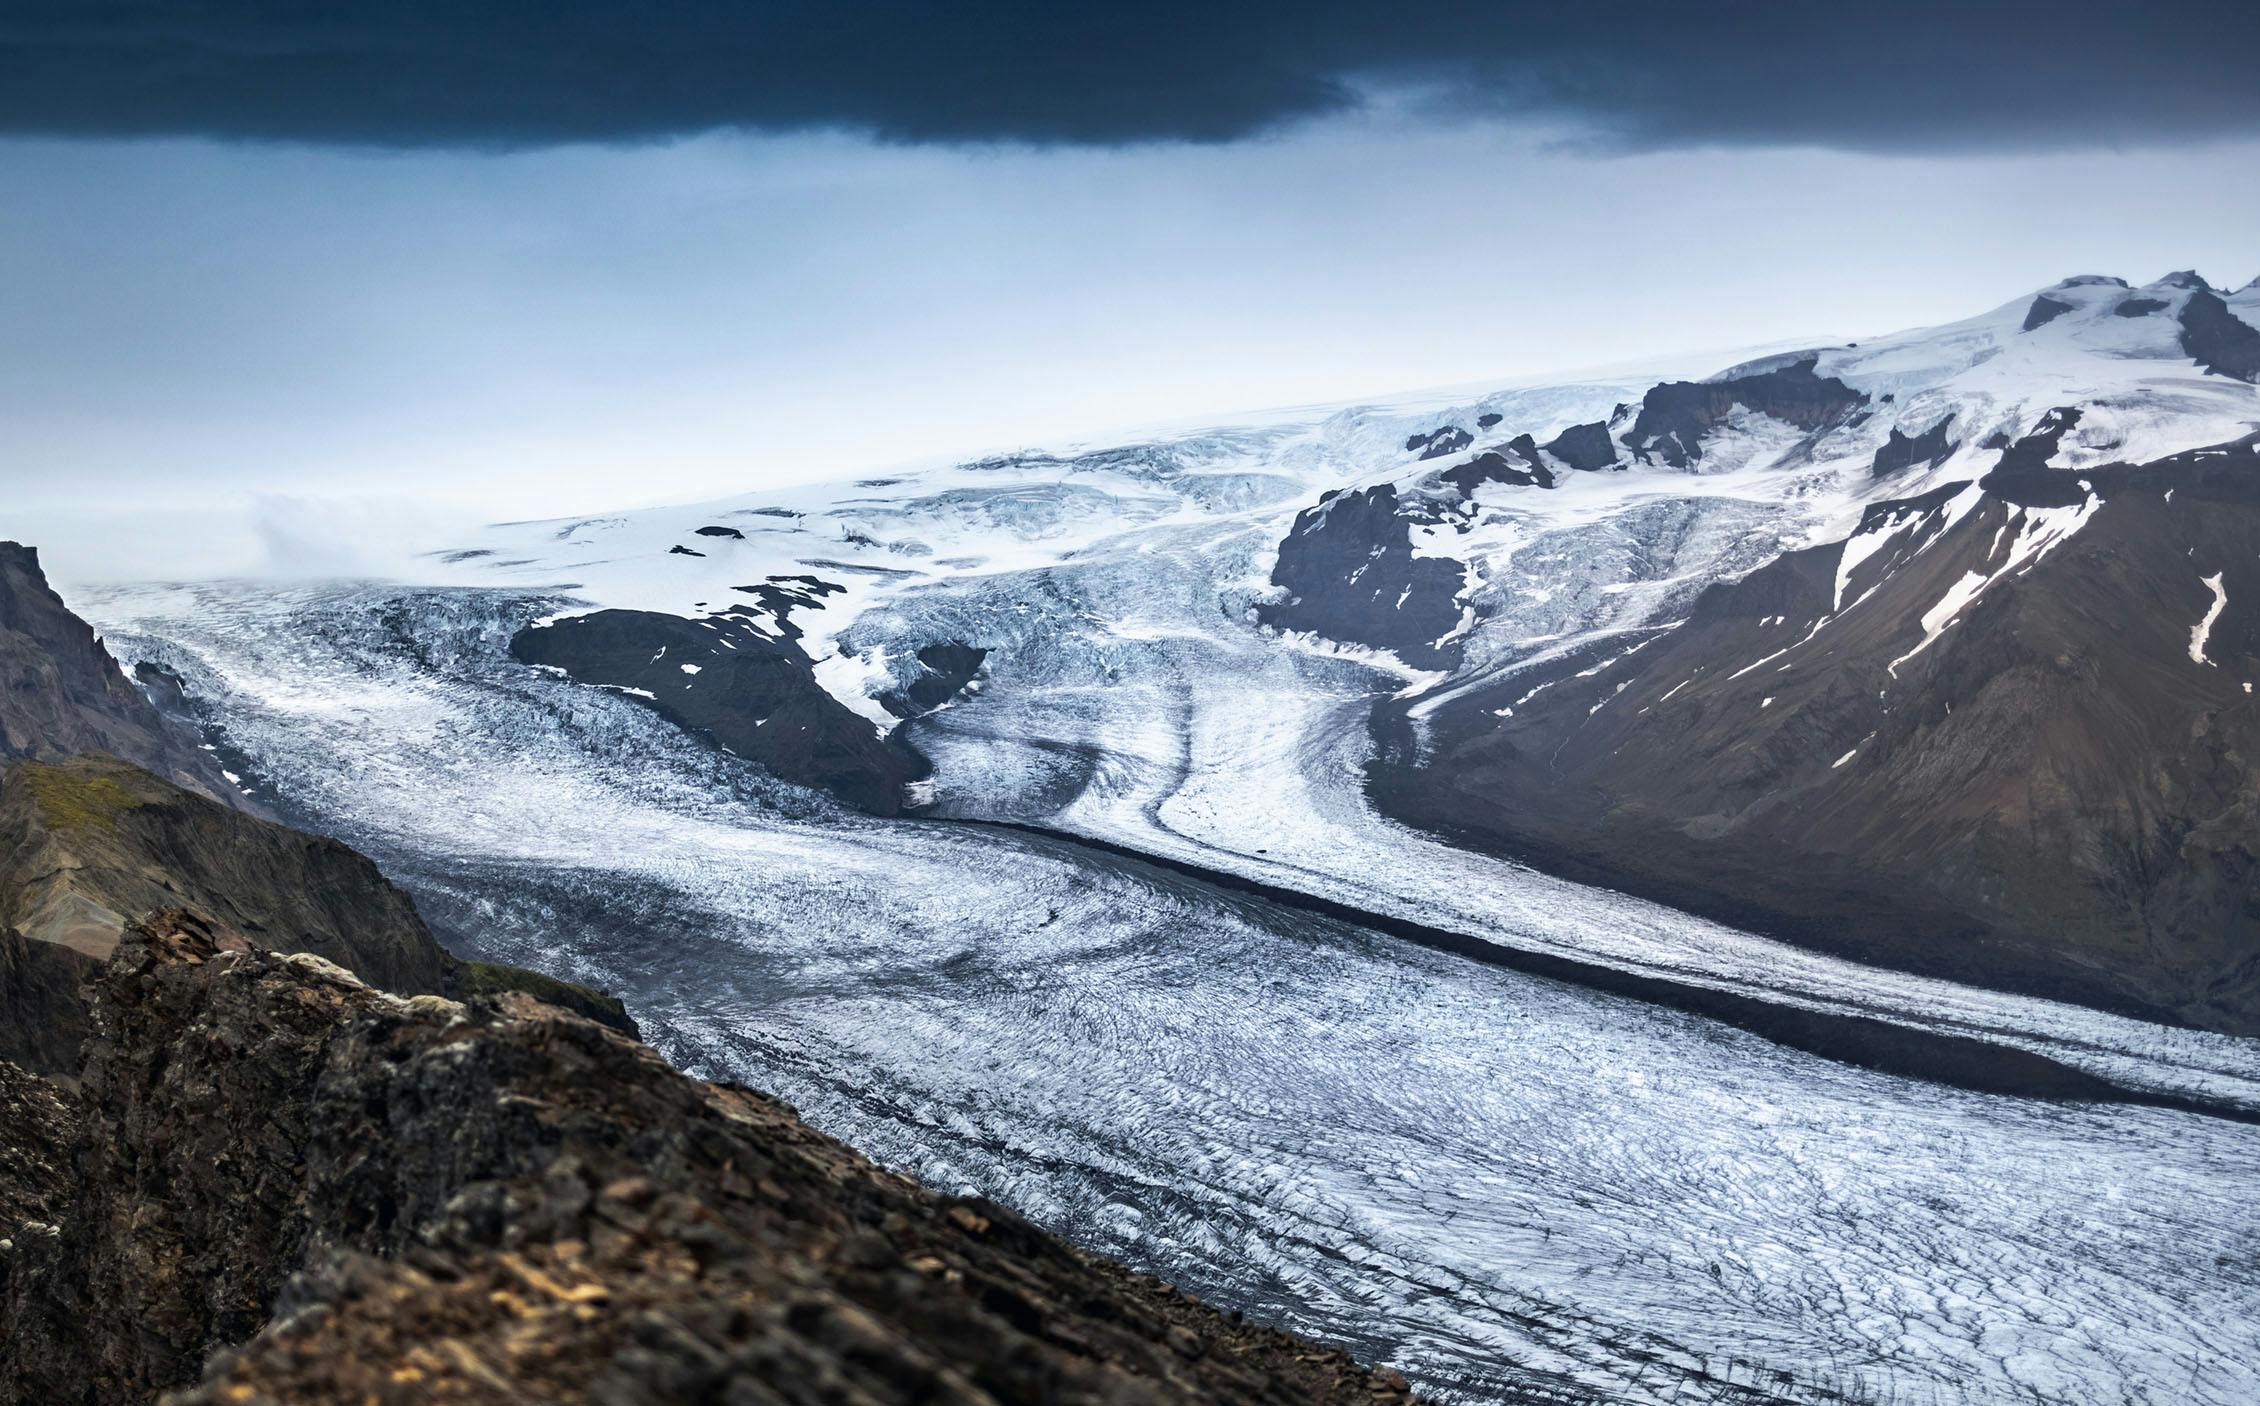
2186 278
2086 280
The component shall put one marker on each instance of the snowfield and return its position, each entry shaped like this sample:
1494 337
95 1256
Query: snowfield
1499 1183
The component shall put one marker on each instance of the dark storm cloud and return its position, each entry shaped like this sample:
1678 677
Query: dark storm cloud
1643 73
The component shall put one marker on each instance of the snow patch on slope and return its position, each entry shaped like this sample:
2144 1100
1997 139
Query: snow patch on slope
2204 628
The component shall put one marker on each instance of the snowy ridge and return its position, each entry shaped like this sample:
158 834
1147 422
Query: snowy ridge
1604 549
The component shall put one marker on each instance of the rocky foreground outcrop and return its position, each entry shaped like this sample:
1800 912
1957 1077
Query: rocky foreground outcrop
90 843
348 1196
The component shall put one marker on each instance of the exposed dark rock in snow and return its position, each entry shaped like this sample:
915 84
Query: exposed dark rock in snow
2034 449
2186 278
2045 310
711 531
739 679
2218 339
1449 439
1487 420
1899 452
1675 416
780 596
1585 447
2139 307
680 551
1494 467
1350 574
944 671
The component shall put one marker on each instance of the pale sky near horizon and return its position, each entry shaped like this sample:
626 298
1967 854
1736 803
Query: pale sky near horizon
211 344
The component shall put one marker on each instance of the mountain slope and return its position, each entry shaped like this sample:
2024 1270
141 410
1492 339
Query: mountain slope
1460 551
89 843
62 694
1105 669
2004 732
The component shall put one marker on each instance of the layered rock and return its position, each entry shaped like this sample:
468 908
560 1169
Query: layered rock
36 1132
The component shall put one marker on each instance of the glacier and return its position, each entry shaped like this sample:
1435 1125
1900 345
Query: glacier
1511 1187
1505 1185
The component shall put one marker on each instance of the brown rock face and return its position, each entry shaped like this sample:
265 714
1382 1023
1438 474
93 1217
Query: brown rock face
410 1201
88 844
61 693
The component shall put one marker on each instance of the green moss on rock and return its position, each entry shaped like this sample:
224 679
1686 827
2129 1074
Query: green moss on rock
70 799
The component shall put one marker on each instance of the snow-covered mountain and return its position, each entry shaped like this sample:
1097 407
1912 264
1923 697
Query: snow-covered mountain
1495 561
1512 498
1499 563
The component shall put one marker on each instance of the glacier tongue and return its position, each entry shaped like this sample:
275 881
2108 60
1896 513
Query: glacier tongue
1496 1181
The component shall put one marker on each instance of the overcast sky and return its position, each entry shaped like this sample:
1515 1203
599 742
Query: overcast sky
275 268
